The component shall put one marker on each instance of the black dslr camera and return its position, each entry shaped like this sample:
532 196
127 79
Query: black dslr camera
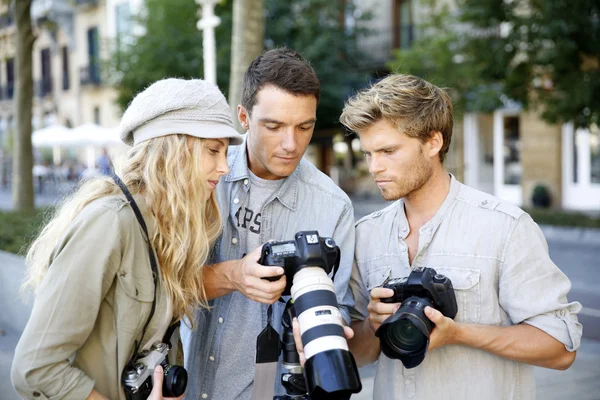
405 335
138 378
307 249
330 371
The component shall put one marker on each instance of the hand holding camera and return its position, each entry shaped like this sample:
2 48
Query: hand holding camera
406 334
379 310
258 282
156 393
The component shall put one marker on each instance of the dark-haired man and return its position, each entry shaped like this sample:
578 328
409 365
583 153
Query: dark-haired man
270 194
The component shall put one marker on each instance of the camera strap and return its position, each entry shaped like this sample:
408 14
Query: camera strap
153 263
268 348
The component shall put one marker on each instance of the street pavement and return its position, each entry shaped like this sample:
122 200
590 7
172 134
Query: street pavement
577 253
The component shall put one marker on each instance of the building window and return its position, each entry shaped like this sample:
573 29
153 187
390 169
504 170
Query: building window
403 24
65 67
93 55
97 115
46 81
10 78
512 156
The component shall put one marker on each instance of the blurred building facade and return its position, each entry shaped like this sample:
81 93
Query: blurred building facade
508 152
71 85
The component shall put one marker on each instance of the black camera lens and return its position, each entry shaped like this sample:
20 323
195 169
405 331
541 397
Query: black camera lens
175 380
405 335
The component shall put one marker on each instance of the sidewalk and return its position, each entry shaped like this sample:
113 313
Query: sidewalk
581 381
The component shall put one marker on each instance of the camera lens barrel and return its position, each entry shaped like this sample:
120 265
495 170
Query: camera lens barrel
175 380
405 335
330 369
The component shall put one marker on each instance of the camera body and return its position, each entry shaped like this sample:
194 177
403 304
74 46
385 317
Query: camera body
424 283
138 379
405 334
330 371
307 249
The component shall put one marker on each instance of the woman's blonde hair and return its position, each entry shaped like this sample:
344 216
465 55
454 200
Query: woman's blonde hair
165 171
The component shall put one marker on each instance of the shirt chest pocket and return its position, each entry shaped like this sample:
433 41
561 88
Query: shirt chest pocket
376 272
133 301
467 289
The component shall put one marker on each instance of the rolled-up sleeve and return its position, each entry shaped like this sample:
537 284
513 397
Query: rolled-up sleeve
65 310
533 290
344 238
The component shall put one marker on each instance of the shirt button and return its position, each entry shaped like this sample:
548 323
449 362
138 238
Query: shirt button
234 240
220 320
235 201
204 396
245 181
211 358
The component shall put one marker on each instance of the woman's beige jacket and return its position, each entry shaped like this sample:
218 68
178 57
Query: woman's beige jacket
91 306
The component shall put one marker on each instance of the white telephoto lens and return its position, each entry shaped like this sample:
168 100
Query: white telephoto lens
320 319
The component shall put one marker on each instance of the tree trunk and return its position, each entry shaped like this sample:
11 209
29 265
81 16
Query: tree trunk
22 182
247 41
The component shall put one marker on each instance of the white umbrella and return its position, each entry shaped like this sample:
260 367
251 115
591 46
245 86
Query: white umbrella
94 135
51 136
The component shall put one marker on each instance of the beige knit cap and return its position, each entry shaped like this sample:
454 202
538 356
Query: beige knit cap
178 106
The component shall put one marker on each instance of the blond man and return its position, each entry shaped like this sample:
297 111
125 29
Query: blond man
512 299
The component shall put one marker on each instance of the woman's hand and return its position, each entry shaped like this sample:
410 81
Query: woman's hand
156 393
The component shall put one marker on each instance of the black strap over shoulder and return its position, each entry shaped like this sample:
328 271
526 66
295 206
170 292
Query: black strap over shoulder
153 263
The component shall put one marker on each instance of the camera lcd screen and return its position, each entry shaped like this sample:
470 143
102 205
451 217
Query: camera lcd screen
284 248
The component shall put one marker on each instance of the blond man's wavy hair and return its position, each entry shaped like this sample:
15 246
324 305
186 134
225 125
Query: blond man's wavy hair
416 107
165 171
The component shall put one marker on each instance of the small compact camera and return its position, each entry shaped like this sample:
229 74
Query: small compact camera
138 378
307 249
405 335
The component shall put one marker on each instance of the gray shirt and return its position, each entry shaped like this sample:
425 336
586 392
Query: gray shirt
497 259
237 363
306 200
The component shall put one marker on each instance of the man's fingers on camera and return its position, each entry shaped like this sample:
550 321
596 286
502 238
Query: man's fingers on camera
383 308
298 341
348 332
381 293
268 272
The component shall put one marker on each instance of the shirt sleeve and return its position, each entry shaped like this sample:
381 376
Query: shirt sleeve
344 238
67 303
533 290
361 295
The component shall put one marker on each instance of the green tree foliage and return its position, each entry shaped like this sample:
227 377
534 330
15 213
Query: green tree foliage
172 46
538 52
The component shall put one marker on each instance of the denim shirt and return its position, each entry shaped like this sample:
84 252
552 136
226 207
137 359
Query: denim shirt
498 262
307 200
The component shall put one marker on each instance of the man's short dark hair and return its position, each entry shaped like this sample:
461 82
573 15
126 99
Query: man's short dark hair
283 68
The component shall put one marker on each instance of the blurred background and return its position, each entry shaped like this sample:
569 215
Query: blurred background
524 76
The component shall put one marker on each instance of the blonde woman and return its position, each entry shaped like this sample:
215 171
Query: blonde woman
97 302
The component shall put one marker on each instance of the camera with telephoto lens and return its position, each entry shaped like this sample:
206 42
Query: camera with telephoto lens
405 335
330 370
138 378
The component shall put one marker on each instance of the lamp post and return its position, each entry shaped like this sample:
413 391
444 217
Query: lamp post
207 24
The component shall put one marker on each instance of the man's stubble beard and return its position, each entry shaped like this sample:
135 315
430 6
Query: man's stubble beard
416 177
